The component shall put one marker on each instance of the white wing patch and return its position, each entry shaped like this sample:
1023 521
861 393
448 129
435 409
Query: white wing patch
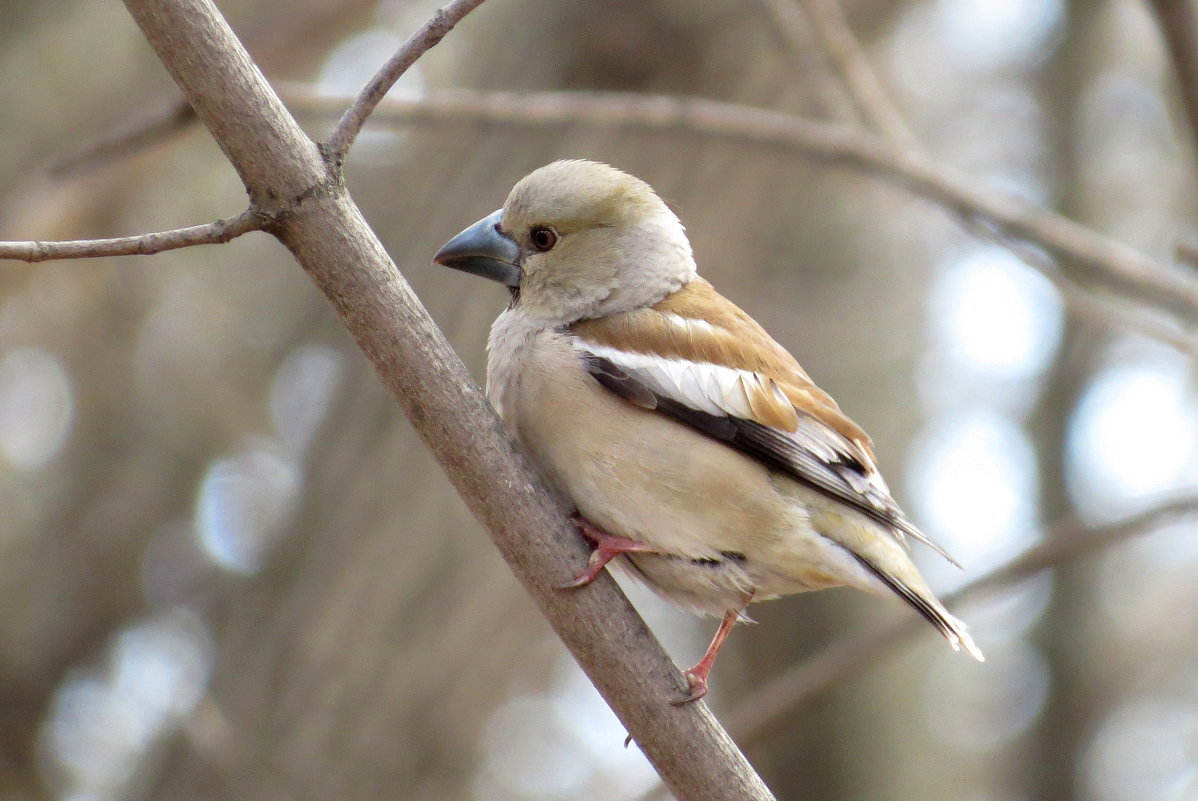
726 392
711 388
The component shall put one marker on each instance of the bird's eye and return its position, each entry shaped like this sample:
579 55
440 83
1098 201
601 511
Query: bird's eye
543 238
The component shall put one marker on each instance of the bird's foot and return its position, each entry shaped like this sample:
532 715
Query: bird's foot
607 547
697 679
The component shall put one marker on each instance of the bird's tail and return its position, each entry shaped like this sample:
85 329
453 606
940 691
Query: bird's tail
954 630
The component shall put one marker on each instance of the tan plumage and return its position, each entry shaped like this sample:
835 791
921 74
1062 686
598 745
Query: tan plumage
725 336
692 443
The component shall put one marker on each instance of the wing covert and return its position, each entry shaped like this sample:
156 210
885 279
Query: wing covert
715 401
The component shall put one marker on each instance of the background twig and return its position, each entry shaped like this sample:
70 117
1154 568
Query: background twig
140 245
848 58
128 139
875 106
1112 263
850 657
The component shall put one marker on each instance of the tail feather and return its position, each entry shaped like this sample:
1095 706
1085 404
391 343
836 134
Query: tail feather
906 527
954 630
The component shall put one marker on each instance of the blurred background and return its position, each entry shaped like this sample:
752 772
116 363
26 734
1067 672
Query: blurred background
229 570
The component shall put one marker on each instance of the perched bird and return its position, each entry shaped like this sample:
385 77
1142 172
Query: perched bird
692 444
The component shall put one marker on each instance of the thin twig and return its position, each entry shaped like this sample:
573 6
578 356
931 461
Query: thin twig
1178 21
859 77
213 233
848 59
850 657
376 89
1111 263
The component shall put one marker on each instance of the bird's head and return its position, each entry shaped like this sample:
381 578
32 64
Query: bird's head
578 239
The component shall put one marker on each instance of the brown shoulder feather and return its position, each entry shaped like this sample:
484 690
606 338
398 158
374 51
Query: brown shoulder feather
698 324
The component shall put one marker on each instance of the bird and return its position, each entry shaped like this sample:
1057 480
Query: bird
696 451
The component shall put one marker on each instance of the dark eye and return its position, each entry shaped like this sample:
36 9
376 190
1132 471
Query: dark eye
543 238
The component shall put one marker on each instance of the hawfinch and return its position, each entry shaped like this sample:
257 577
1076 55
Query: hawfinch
692 444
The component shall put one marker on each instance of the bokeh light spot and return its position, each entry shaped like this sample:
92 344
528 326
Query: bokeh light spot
973 479
993 314
102 721
976 714
1134 435
244 504
302 391
36 407
1144 751
993 34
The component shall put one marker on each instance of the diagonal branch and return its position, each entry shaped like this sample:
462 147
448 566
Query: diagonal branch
376 89
848 59
1098 258
213 233
314 217
874 105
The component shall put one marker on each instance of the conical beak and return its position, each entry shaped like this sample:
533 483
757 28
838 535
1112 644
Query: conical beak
484 250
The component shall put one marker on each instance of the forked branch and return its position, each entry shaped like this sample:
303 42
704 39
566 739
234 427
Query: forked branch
288 176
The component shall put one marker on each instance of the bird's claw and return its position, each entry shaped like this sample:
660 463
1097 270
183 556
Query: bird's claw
607 547
698 685
595 564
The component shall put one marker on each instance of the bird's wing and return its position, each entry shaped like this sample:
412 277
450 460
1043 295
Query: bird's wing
701 360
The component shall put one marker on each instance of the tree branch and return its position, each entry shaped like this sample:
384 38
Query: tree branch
1115 265
848 59
318 222
1178 21
213 233
372 94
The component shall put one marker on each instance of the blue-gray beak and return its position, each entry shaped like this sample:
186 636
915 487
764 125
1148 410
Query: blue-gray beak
484 250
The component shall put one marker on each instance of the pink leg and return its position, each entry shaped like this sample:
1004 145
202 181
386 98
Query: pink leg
697 676
607 547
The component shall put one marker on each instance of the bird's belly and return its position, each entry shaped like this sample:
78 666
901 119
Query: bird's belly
722 528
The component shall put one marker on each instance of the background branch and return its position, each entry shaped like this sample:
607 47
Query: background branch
324 230
1178 21
1111 263
874 105
848 58
213 233
849 657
